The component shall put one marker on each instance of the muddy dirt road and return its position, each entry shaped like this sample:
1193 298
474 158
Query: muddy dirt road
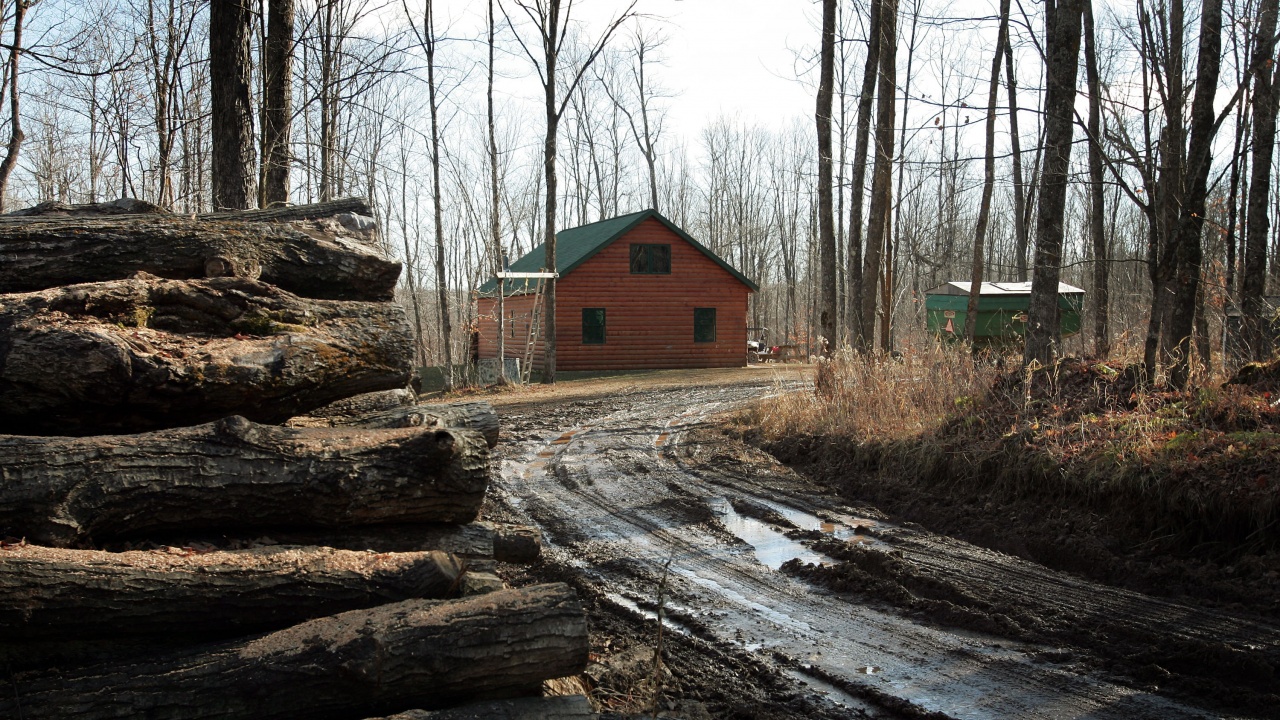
624 483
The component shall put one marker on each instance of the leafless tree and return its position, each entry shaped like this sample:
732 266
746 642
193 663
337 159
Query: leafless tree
1062 57
882 173
989 177
552 28
1257 230
826 210
234 176
277 101
16 136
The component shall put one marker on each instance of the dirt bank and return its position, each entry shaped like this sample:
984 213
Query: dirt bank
1026 481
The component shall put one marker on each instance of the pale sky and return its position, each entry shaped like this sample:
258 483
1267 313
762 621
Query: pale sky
736 58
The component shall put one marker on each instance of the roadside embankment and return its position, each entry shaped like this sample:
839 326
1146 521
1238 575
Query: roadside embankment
1175 493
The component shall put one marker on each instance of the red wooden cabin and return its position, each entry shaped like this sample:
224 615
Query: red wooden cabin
634 292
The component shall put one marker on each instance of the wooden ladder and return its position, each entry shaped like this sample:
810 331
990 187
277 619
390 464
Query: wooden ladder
531 338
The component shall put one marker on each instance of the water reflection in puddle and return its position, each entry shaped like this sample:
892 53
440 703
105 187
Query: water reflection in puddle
833 693
559 443
646 613
845 528
772 548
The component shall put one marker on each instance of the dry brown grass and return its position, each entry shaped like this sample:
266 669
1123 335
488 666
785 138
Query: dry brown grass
878 397
1201 464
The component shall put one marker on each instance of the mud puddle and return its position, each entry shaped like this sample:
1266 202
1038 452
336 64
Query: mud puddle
772 548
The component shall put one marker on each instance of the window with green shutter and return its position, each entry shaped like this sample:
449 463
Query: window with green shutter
704 324
592 326
649 259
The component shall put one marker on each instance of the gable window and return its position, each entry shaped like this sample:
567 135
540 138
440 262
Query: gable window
649 259
592 326
704 324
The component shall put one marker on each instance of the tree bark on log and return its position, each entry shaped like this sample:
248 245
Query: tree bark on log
366 404
562 707
329 252
292 213
411 654
474 541
59 594
130 206
234 475
478 416
143 353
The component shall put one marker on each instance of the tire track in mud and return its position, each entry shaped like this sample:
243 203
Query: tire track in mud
611 496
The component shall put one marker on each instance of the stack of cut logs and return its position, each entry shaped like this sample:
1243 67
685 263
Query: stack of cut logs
217 497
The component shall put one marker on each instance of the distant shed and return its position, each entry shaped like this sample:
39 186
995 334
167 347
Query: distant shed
1002 311
635 291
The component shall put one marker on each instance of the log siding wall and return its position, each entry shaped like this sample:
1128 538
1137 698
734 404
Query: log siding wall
649 317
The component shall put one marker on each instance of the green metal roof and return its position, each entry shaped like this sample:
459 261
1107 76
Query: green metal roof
575 246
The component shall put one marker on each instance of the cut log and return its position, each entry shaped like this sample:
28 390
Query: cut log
328 251
563 707
411 654
356 206
143 353
478 416
55 208
366 404
60 594
477 540
236 476
395 413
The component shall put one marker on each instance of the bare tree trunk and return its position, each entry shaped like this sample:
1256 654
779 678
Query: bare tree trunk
163 57
328 102
1257 229
1097 234
989 180
16 135
495 227
1062 57
887 324
229 79
857 179
826 219
551 55
882 174
551 34
1188 252
1166 179
1020 215
429 41
1235 216
277 111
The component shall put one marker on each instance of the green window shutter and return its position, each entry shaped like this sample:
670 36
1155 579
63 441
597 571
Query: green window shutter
592 326
704 324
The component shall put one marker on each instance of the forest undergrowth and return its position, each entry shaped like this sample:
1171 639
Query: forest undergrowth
1078 465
